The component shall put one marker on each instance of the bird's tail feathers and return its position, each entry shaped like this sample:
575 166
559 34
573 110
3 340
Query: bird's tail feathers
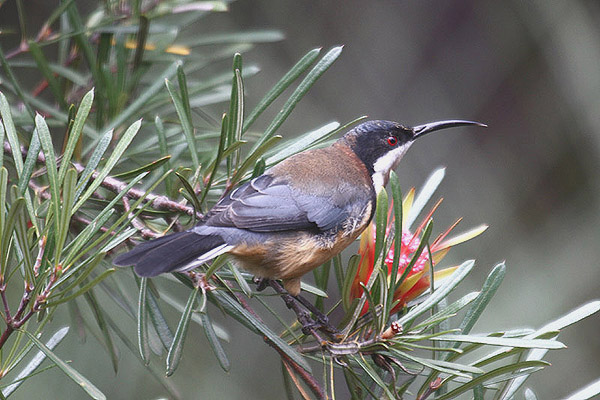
176 252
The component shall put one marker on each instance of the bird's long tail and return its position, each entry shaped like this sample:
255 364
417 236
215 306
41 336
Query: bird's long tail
176 252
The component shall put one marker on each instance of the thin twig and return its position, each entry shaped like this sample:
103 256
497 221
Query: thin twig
139 225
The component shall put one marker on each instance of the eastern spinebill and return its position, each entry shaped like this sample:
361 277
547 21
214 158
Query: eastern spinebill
297 215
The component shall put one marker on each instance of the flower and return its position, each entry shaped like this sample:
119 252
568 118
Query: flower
418 279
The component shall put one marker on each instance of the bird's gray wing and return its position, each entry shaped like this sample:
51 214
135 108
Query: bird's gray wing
266 205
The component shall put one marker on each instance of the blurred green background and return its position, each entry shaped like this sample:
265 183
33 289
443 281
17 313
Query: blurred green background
529 69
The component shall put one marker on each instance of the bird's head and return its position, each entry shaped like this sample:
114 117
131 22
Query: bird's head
380 145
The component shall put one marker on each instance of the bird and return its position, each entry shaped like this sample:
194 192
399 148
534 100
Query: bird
299 214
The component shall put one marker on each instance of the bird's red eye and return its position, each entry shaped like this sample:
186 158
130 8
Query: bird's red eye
392 141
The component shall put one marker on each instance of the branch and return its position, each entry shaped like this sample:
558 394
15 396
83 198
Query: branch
158 202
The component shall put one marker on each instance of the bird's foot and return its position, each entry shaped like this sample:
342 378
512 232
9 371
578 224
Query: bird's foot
310 324
261 283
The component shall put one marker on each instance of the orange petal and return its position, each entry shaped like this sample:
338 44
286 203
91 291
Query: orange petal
439 255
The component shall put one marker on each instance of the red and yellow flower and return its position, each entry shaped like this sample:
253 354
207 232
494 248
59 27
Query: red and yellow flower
418 279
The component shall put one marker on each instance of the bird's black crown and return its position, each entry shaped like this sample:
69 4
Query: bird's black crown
372 139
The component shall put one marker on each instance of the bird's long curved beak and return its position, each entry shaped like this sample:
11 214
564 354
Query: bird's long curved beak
424 129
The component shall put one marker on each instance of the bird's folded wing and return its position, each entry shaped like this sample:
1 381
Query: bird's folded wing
266 205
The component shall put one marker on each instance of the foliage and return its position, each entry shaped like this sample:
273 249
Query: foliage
144 90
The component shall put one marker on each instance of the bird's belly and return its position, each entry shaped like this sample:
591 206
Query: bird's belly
291 256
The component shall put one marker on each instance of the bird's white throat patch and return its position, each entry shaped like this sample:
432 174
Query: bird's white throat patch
385 164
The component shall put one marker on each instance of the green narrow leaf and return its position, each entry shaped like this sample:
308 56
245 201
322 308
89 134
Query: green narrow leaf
48 149
121 223
110 163
98 312
159 376
234 309
164 152
293 74
374 376
35 362
349 275
529 395
9 228
158 321
30 161
176 349
214 342
424 195
83 289
218 157
2 134
11 133
262 36
68 197
186 122
321 275
97 223
449 311
504 342
481 379
22 238
240 280
310 79
217 264
3 190
142 323
239 113
252 158
151 166
93 162
381 211
572 317
302 143
190 190
221 333
43 66
75 132
305 287
89 264
397 205
85 384
590 391
490 287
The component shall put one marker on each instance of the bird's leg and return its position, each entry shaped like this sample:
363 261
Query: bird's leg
309 325
322 318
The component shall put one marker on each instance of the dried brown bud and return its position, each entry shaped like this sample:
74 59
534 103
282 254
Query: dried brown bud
394 329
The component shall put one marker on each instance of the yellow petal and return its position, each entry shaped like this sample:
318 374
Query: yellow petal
178 50
444 273
463 237
366 239
439 255
410 281
407 205
174 49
